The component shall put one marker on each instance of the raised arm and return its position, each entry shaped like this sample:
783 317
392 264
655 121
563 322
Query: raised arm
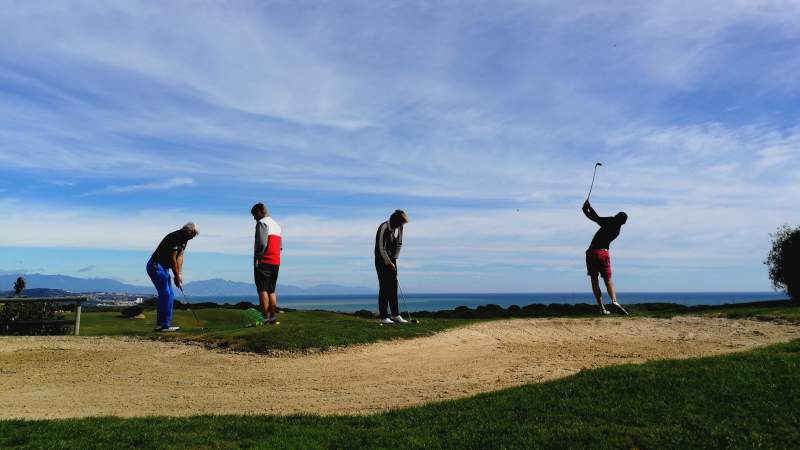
590 212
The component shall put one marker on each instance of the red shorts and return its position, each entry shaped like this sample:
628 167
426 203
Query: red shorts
598 262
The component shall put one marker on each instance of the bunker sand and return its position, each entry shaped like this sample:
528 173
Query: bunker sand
66 377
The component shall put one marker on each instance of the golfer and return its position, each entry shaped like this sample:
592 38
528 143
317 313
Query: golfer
388 241
169 255
267 261
598 261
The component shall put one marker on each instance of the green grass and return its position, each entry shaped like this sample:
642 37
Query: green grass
768 310
745 400
786 312
316 330
298 331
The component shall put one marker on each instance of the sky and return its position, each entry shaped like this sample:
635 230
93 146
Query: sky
122 120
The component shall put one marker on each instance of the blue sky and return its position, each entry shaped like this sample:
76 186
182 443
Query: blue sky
120 121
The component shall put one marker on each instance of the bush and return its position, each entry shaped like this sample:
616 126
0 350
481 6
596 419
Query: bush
15 318
132 311
365 313
784 261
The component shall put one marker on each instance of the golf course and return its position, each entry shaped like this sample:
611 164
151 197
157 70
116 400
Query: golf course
322 380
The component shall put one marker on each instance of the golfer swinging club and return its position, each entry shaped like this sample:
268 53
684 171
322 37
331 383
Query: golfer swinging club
268 247
598 261
169 255
388 241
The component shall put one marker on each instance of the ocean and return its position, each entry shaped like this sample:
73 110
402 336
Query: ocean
435 302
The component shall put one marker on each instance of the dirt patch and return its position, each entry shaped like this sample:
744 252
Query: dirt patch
61 377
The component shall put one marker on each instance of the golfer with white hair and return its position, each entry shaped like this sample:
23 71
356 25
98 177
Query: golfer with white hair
169 255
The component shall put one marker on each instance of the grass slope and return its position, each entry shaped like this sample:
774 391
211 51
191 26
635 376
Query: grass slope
746 400
298 331
317 330
766 310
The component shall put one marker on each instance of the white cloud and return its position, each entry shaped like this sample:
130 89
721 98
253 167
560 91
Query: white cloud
455 109
162 185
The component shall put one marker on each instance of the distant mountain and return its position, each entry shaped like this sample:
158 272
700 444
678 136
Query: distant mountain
72 284
218 286
215 286
38 292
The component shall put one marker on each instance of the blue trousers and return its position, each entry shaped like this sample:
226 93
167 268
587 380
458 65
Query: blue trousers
163 283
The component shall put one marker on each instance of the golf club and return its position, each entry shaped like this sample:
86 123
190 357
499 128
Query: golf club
190 309
624 311
592 185
405 303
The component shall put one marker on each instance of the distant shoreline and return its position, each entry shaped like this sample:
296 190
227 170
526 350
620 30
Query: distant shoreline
445 302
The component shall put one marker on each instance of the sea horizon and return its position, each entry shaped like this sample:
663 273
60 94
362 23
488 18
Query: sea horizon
440 301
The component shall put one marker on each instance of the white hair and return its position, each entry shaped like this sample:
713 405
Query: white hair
191 227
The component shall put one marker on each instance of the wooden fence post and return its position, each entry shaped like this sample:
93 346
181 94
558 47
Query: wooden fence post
78 319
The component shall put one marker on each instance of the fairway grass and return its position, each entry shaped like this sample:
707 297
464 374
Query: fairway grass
767 310
299 331
745 400
304 331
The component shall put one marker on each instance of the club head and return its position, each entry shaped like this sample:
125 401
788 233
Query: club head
598 164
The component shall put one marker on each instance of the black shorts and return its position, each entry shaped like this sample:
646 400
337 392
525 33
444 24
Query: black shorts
266 276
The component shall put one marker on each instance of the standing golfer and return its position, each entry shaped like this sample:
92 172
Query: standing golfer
388 241
267 261
598 261
169 255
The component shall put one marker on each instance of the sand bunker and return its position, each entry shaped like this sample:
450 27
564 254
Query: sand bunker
60 377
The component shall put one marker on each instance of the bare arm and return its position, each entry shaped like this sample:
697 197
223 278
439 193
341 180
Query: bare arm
177 264
590 212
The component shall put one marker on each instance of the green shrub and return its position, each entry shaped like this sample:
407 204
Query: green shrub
132 311
784 261
20 318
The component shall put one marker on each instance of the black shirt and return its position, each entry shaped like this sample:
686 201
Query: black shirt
175 241
609 230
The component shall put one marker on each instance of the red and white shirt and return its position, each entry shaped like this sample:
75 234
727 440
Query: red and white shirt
268 243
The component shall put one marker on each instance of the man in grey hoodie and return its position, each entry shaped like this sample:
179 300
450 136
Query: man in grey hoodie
388 241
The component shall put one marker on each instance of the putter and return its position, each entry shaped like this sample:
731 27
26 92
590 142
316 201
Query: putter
405 303
592 185
190 309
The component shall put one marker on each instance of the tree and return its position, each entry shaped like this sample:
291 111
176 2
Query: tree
19 286
784 261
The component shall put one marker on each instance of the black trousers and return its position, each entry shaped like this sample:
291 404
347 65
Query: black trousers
387 295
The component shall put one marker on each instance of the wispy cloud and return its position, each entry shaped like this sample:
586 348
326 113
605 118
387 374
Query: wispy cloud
152 186
461 112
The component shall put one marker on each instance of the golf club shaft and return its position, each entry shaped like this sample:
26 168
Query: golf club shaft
593 177
187 305
405 302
